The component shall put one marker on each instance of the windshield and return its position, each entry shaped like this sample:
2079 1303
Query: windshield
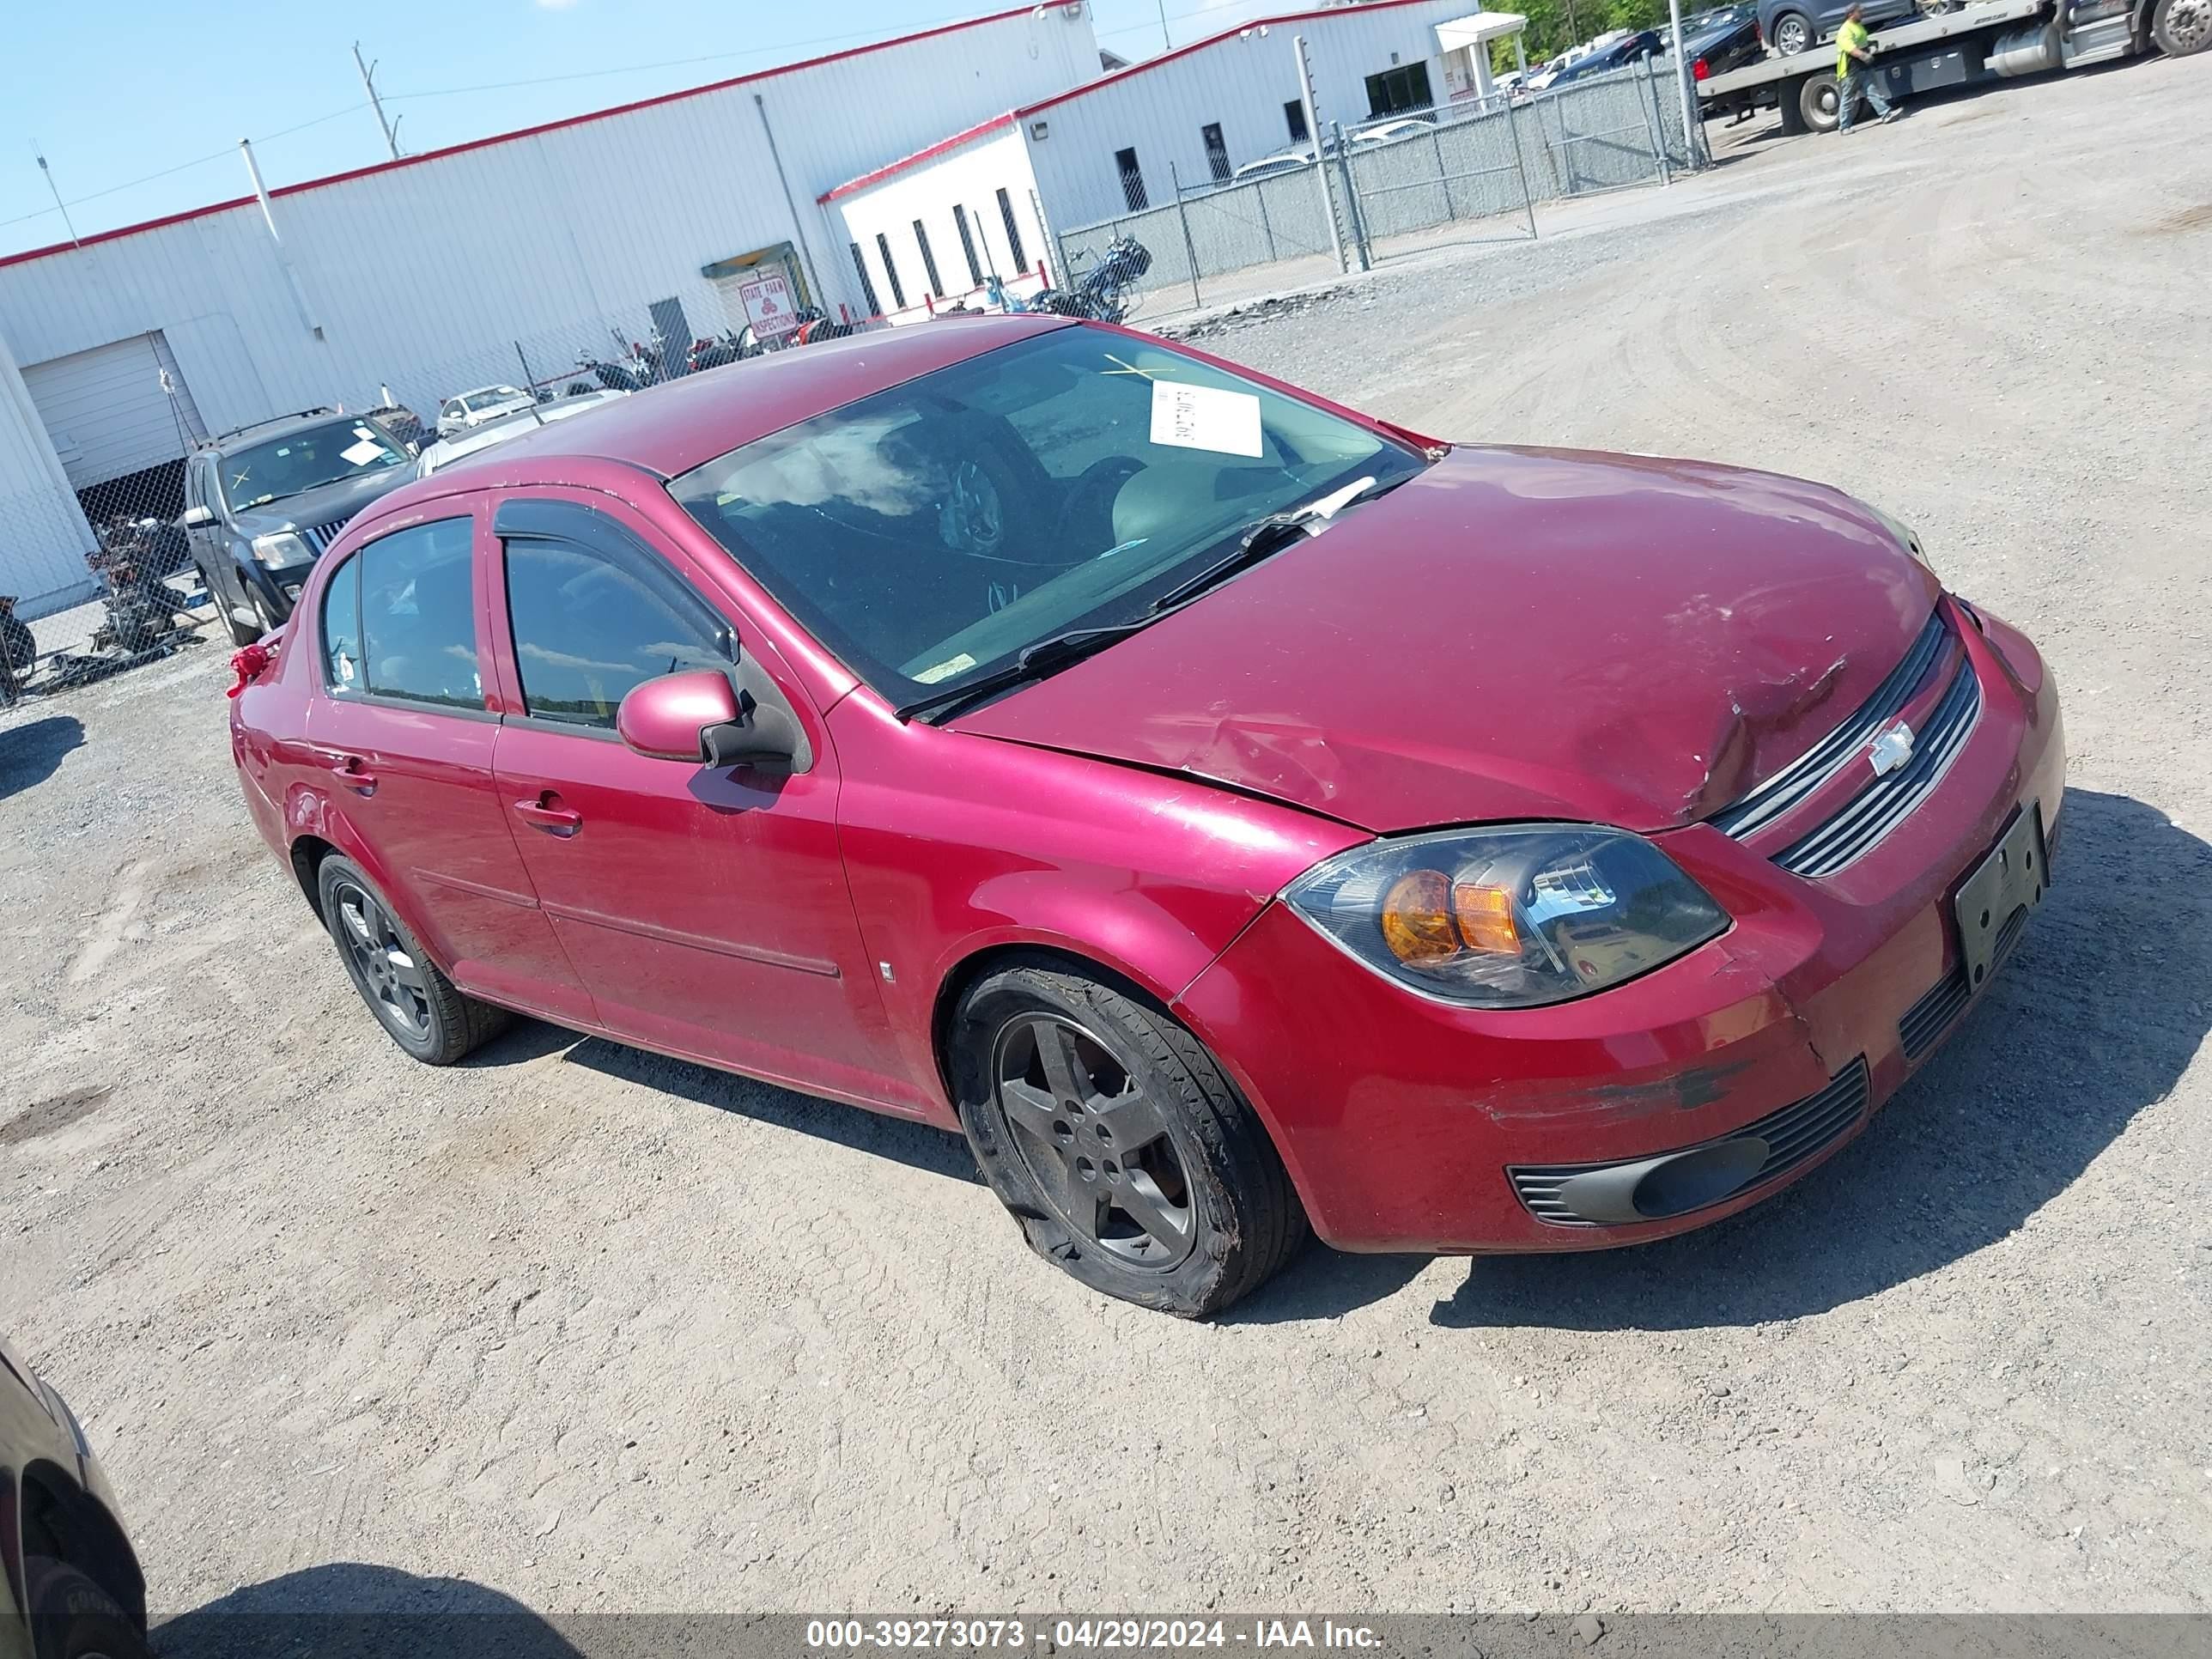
490 395
299 461
929 532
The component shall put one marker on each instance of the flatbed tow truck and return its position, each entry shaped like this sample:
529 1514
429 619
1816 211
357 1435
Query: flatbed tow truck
1986 39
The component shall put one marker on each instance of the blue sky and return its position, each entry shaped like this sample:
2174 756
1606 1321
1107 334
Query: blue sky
113 93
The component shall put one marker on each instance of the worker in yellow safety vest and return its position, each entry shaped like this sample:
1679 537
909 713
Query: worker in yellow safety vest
1854 77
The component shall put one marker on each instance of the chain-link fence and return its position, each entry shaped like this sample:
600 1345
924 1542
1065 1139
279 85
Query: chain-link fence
1478 167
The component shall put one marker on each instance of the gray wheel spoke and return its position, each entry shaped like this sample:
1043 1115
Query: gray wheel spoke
1139 1198
1076 1205
1063 1064
404 970
1133 1118
1029 1108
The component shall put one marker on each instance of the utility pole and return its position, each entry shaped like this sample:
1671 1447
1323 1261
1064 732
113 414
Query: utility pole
391 129
1163 25
47 172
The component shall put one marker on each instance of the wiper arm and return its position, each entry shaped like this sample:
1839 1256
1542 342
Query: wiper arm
1034 662
1264 538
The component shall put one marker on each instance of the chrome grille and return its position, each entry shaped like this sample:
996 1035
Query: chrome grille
319 537
1794 1135
1802 777
1888 801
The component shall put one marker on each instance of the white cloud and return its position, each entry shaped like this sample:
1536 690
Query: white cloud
555 5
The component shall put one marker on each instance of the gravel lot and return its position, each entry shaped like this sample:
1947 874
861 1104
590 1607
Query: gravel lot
596 1330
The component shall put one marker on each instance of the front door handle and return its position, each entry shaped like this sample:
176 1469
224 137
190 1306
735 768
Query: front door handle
547 813
353 774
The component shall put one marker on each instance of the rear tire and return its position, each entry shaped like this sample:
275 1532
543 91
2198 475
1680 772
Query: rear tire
420 1009
1821 103
72 1618
1792 33
2182 27
1112 1136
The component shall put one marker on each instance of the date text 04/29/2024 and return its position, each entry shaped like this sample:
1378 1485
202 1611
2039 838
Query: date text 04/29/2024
1117 1633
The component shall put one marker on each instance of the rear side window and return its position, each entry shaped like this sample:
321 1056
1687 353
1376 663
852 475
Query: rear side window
415 616
589 625
342 658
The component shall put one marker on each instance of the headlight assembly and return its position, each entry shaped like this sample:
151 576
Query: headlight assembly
281 550
1510 917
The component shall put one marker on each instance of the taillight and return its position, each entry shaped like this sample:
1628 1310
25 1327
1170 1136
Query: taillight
1700 70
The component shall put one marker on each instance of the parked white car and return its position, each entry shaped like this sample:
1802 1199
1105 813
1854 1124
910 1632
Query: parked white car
486 402
1267 167
476 438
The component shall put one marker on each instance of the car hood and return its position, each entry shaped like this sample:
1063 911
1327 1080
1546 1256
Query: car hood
1515 633
330 504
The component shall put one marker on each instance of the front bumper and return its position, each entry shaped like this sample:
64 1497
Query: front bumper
278 590
1406 1123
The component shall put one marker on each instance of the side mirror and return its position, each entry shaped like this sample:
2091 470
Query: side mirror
699 716
197 518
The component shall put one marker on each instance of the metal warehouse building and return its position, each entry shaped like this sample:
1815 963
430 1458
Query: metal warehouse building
933 223
424 275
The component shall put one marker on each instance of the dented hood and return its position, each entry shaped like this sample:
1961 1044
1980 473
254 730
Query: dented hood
1515 632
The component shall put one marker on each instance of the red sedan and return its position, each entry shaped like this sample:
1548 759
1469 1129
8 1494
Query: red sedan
1232 812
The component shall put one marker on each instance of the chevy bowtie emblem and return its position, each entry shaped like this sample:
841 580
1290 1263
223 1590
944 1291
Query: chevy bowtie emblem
1891 750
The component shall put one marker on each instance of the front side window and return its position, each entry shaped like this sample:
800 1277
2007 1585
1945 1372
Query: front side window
417 615
589 626
929 532
304 460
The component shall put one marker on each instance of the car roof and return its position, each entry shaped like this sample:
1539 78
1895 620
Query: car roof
671 428
261 432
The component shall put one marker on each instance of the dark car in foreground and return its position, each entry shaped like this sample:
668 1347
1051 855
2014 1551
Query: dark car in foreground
71 1587
1723 39
1229 810
1794 26
262 503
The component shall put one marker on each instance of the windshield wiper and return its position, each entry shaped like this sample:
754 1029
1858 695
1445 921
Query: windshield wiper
1264 538
1034 662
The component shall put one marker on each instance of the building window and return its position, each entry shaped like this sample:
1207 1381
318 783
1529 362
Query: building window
1395 91
1013 232
1216 152
1294 116
928 261
968 244
891 270
1132 179
867 288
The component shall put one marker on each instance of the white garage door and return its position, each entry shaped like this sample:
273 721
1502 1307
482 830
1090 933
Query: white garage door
114 409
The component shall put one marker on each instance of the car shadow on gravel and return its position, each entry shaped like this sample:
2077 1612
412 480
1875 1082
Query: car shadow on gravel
347 1610
29 753
2094 1019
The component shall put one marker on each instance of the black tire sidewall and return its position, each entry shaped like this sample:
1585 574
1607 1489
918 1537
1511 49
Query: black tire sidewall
70 1615
1192 1286
337 868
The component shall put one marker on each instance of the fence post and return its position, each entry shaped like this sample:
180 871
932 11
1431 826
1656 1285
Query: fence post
1266 225
1521 165
1443 175
1321 162
1189 247
1350 197
1648 97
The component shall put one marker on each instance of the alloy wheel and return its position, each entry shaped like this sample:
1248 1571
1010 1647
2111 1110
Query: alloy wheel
1791 36
1095 1142
388 973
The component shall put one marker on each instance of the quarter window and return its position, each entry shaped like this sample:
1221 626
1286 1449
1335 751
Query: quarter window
588 626
343 663
416 620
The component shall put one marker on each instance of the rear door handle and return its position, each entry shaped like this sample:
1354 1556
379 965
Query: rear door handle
547 813
353 774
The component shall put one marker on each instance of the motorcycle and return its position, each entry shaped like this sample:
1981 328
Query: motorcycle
1102 294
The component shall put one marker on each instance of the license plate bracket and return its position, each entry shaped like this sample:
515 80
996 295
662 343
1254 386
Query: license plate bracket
2011 878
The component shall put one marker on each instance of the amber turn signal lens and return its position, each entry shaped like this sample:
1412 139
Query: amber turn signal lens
1417 921
1486 920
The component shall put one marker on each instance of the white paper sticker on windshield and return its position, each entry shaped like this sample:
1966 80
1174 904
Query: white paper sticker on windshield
360 455
1206 418
945 670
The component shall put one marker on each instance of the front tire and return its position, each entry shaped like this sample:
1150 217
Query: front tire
1126 1156
2182 27
72 1618
1792 33
420 1009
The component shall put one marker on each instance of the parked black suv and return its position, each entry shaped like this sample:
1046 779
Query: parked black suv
262 504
